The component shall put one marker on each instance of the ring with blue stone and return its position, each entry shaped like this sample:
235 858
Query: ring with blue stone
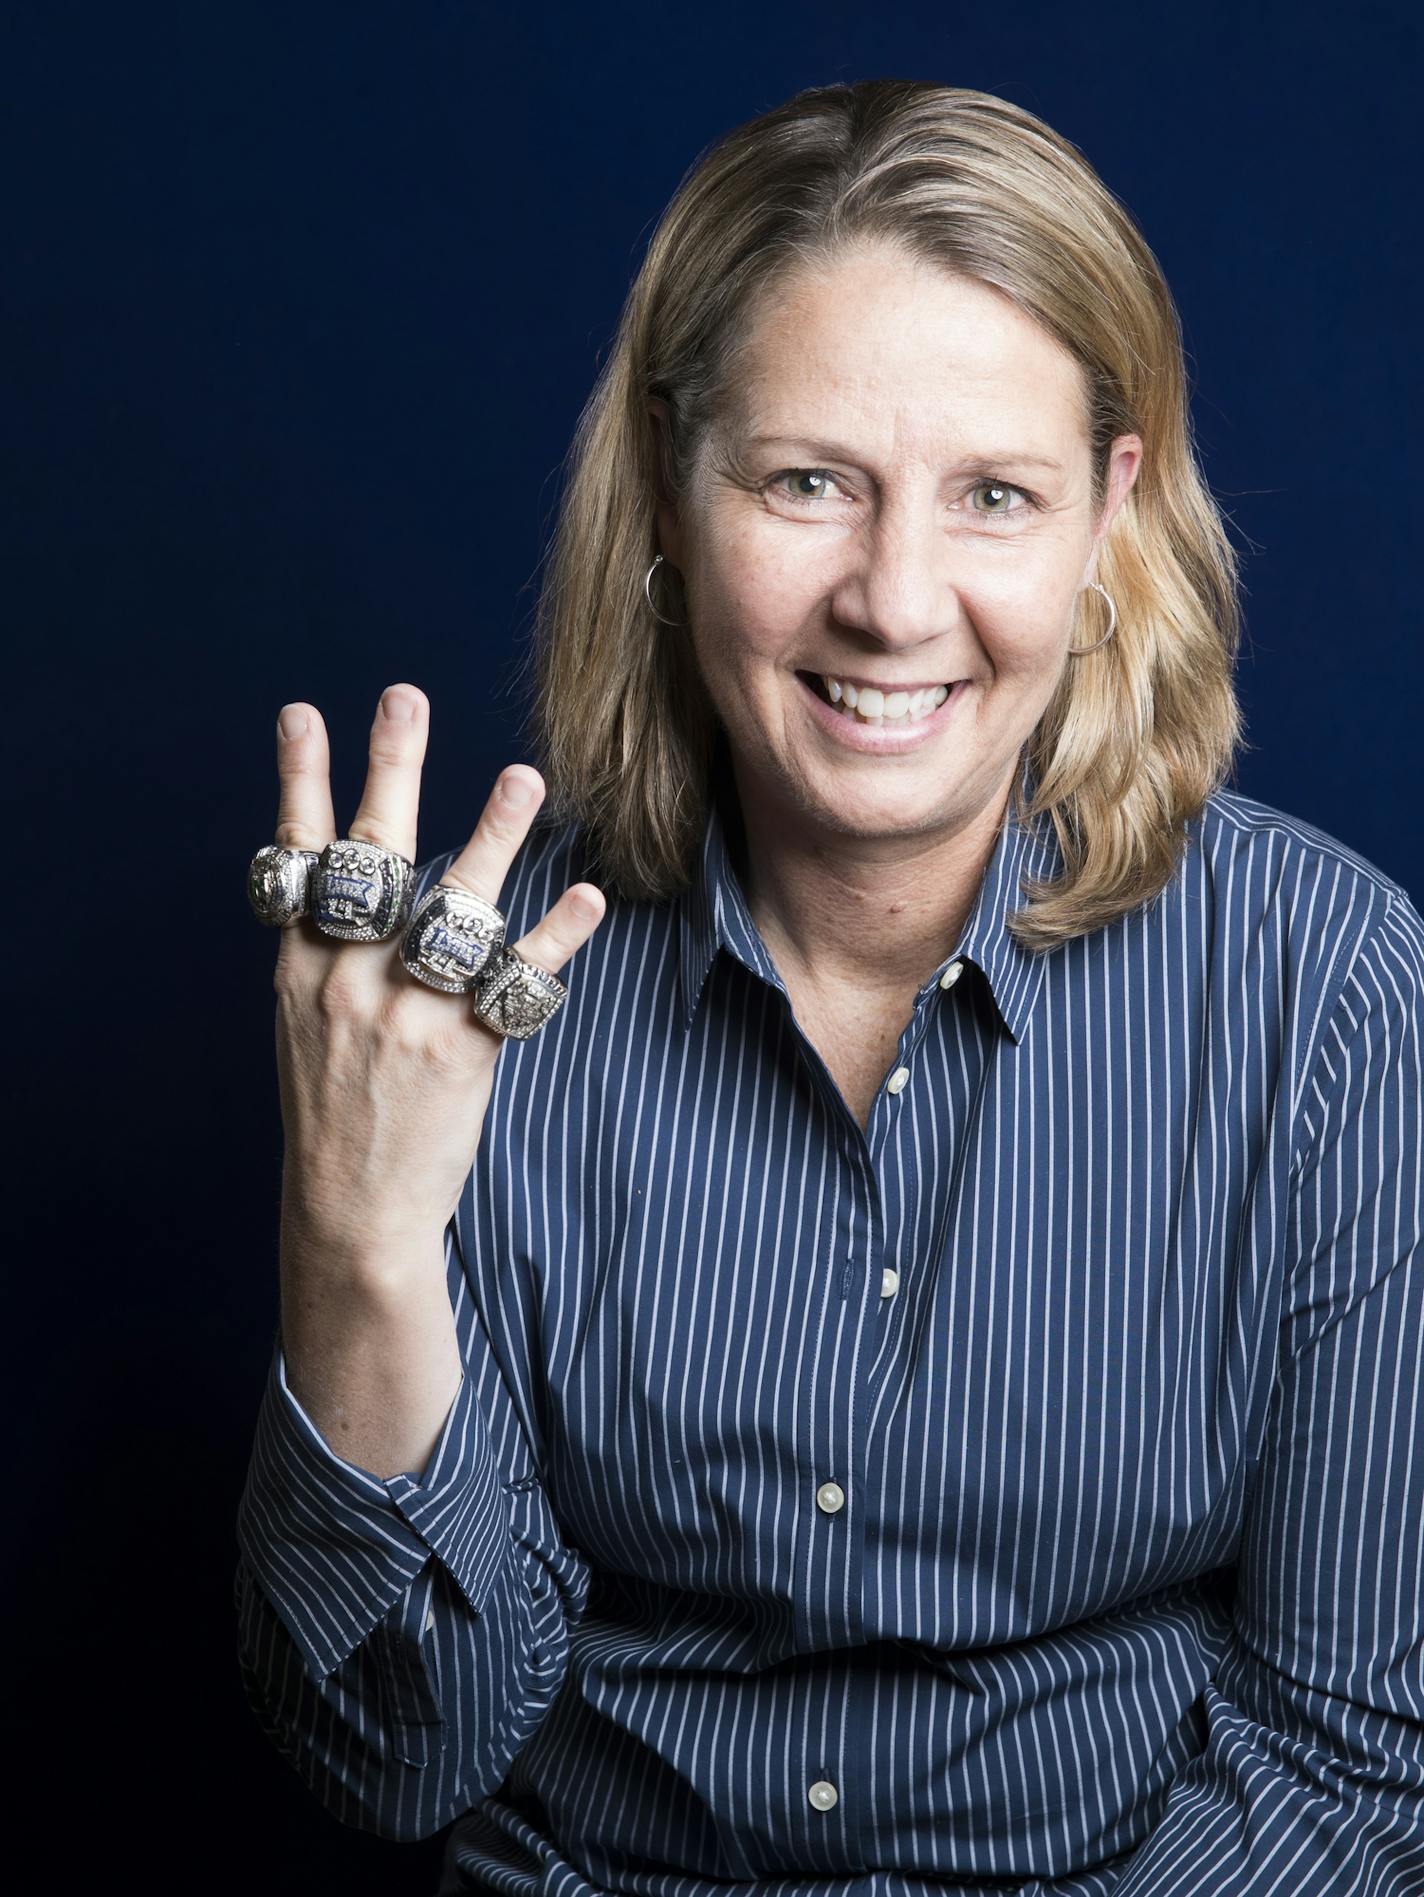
360 892
450 938
279 884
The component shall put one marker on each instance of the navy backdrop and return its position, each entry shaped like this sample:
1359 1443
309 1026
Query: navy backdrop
300 304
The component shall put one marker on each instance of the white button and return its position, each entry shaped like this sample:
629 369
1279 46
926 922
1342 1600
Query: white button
429 1620
897 1080
830 1496
889 1282
951 975
823 1794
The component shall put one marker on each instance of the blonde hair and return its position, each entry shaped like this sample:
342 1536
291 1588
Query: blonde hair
1138 735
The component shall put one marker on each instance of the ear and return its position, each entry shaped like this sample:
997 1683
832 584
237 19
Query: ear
669 526
1124 464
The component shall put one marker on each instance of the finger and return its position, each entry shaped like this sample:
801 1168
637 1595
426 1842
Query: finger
563 931
390 801
305 818
483 864
565 928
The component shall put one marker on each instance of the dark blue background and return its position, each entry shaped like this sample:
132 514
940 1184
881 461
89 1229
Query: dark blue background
300 304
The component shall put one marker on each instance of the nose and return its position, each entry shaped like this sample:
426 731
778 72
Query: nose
897 585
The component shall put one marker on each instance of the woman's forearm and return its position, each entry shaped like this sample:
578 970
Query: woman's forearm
371 1348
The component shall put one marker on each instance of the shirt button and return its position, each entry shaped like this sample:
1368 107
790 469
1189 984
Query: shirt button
823 1794
830 1496
951 975
889 1282
897 1080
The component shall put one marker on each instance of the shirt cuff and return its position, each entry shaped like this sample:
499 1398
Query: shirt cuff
334 1547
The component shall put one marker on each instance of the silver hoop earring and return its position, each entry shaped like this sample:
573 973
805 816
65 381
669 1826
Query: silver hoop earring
1077 652
647 588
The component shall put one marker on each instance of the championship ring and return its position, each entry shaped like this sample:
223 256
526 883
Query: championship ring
516 998
449 939
360 892
279 884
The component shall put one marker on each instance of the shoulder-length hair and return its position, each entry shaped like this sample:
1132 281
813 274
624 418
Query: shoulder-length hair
1139 733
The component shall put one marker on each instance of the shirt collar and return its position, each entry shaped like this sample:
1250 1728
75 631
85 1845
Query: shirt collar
714 912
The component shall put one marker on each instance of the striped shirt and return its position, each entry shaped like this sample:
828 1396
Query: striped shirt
1024 1493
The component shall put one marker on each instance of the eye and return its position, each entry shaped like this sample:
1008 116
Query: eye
818 479
1000 491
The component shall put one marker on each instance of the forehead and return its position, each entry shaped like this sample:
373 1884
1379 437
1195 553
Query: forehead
880 342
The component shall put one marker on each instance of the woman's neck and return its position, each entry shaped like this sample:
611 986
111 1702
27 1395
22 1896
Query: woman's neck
873 919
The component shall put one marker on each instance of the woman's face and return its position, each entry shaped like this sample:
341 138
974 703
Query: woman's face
901 500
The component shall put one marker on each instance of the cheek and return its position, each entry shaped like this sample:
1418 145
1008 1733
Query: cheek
764 572
751 601
1022 611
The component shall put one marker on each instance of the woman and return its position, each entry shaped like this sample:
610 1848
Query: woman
903 1373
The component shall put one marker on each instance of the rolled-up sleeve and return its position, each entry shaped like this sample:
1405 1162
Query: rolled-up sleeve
334 1547
400 1638
1312 1776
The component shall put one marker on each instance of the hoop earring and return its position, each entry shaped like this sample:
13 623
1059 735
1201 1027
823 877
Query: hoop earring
1077 652
647 588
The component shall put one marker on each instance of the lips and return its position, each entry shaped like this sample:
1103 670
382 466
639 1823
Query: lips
844 729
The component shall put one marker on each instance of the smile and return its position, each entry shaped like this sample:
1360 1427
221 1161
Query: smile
881 736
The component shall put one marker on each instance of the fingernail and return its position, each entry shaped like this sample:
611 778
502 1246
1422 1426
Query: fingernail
292 722
584 906
516 791
398 708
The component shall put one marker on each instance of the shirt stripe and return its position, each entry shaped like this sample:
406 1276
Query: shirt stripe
1023 1494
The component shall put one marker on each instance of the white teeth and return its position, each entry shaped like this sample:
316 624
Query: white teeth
874 707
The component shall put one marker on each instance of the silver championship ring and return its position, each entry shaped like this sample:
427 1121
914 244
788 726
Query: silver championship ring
516 998
360 892
279 884
450 938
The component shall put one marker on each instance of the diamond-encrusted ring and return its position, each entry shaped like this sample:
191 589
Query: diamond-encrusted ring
516 998
360 892
450 938
279 884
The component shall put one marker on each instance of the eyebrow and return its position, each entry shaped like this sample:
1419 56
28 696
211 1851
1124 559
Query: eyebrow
836 451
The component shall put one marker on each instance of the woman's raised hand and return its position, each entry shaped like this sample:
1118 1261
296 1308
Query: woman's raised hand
385 1082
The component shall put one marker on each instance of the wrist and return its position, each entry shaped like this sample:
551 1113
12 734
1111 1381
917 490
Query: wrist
319 1248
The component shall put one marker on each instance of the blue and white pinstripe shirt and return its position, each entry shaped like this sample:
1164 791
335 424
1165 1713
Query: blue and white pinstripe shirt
1025 1495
